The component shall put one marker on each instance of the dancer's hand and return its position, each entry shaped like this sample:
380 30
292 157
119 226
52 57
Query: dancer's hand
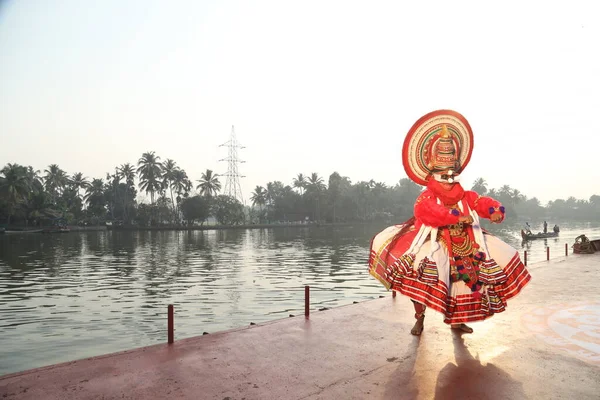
466 219
496 217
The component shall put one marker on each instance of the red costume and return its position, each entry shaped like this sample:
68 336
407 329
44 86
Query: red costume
442 258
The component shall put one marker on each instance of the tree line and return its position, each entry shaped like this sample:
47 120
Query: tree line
29 197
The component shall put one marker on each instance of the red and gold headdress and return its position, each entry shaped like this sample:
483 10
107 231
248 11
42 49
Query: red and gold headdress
438 141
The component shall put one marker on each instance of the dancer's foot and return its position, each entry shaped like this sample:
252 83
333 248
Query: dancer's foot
418 328
462 327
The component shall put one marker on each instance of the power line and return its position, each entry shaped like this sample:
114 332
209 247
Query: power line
233 187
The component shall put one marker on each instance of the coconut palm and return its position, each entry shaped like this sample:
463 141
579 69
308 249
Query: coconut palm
95 189
314 188
169 169
299 182
182 186
112 184
94 196
315 183
480 186
55 180
149 171
259 196
78 182
209 184
14 186
127 173
33 178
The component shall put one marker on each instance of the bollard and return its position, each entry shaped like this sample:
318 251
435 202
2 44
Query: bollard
170 324
393 293
548 253
566 249
306 301
525 257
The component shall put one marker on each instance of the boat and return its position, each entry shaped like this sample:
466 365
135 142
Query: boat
57 229
585 246
11 231
539 235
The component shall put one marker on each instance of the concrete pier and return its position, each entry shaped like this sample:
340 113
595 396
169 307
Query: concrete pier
545 346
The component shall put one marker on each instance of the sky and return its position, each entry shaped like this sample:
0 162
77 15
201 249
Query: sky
310 86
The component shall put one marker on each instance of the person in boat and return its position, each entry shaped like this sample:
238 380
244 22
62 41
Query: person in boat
527 228
556 229
545 227
442 258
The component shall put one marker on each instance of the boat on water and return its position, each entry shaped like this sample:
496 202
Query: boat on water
583 245
539 235
57 229
16 231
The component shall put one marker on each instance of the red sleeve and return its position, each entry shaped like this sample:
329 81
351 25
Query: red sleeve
430 213
482 204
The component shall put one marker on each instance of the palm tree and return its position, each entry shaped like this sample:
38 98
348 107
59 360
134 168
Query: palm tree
181 183
315 183
94 195
209 184
314 188
34 180
300 182
56 179
78 182
182 186
14 186
127 172
259 196
112 183
95 189
149 170
480 186
169 168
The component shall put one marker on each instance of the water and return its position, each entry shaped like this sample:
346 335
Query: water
69 296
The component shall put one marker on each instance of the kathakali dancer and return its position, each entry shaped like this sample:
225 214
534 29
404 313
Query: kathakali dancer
442 258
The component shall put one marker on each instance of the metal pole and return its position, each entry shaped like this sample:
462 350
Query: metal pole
566 249
170 324
548 253
306 301
525 257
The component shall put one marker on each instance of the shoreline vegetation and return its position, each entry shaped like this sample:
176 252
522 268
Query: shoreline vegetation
30 199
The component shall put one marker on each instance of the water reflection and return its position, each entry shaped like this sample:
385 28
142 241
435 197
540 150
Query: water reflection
80 294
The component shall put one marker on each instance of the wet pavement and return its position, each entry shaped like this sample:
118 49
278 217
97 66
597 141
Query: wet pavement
545 346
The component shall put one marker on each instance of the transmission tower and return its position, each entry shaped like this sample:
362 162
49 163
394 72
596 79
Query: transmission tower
232 185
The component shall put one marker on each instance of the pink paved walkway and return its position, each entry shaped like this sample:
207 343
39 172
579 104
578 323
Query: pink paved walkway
546 346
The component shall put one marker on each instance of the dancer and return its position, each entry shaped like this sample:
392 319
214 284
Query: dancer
442 258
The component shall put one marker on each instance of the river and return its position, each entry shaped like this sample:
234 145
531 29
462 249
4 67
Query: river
74 295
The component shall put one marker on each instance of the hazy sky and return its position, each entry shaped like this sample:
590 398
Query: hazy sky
311 86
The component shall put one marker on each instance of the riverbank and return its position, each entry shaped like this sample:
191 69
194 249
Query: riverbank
533 350
51 229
